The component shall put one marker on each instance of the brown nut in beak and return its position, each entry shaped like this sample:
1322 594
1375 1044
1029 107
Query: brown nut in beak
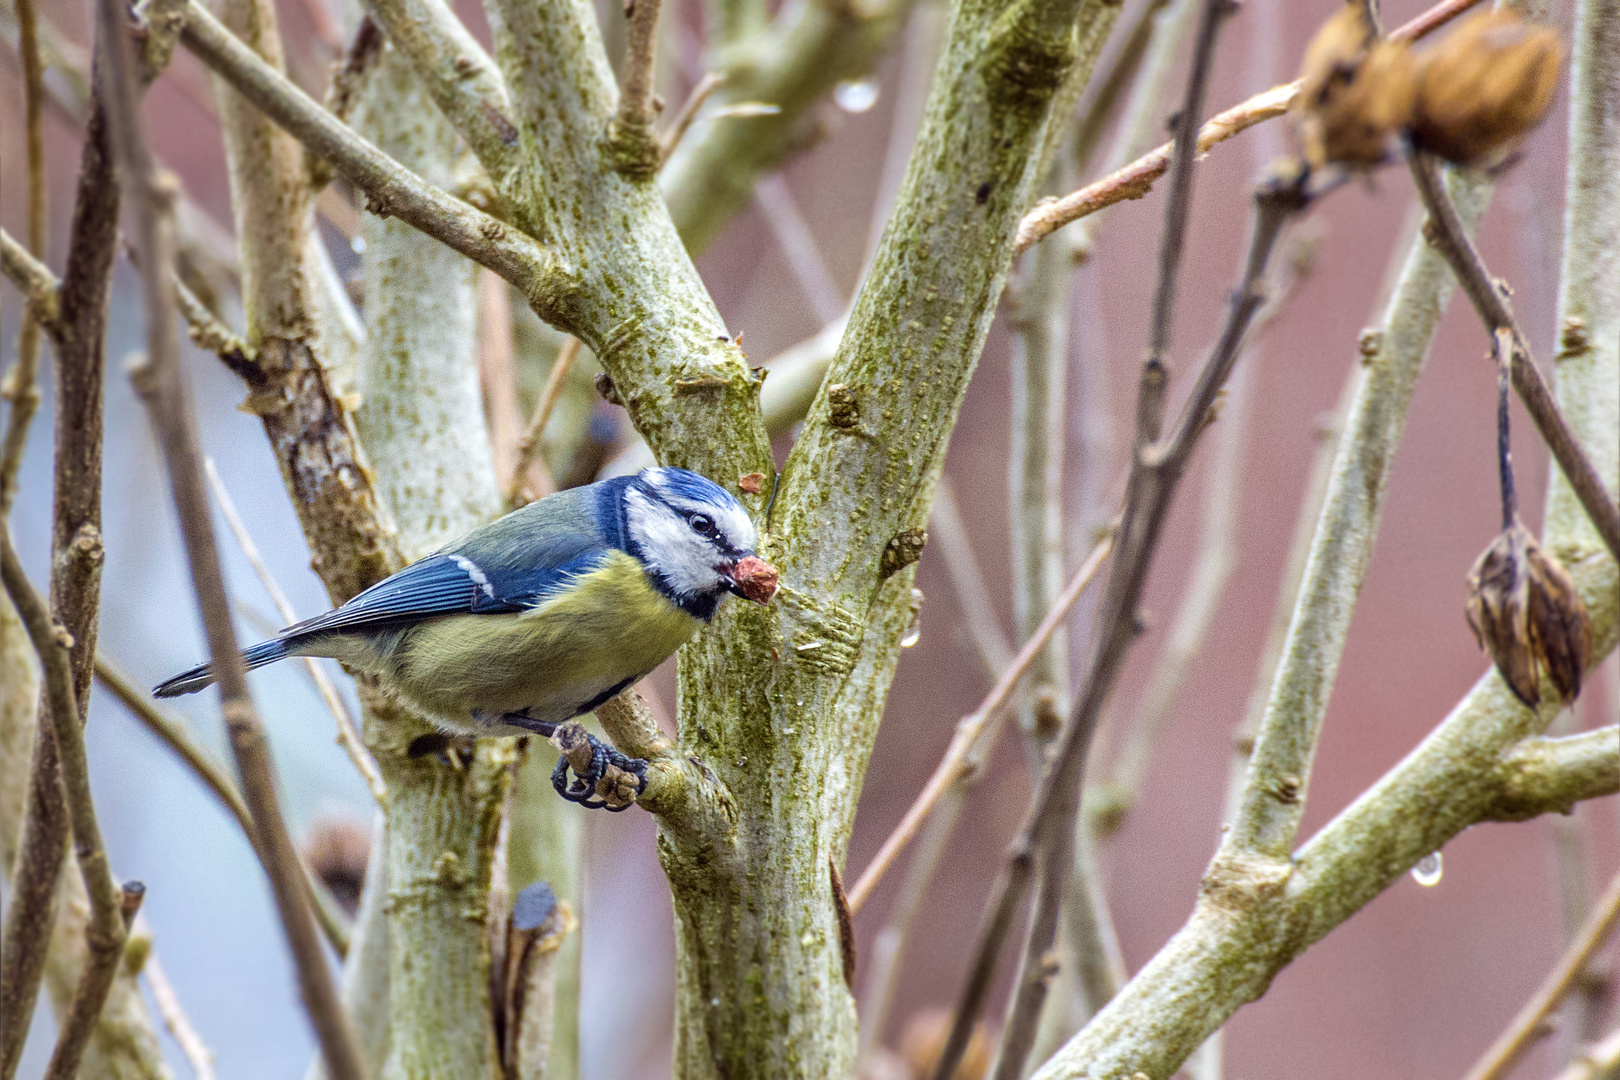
754 579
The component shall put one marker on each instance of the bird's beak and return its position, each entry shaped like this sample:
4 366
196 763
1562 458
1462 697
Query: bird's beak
752 578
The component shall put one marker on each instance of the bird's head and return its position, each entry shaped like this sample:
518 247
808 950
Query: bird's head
695 539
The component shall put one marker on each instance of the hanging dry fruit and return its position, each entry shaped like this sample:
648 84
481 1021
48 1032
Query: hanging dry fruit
1483 87
1523 608
1356 93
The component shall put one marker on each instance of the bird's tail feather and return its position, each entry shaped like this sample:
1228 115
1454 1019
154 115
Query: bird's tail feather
189 682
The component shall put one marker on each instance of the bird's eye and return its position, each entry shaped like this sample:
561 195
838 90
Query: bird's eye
702 524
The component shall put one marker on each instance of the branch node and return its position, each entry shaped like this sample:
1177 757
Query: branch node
905 548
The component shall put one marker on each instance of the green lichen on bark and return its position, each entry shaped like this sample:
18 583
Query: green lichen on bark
421 376
782 703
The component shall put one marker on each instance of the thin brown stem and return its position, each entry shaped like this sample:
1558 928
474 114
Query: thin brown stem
1052 843
168 402
1446 233
975 734
1502 348
1136 179
348 732
1530 1023
105 931
19 388
529 443
1184 150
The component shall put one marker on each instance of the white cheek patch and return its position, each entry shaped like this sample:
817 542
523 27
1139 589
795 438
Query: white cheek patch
479 578
669 546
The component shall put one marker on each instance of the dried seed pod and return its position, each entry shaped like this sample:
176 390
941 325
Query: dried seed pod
1559 623
1357 92
1484 87
1527 616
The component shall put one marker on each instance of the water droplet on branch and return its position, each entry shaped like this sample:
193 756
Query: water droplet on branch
1428 870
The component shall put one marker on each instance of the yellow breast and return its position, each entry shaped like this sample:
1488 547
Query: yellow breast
611 625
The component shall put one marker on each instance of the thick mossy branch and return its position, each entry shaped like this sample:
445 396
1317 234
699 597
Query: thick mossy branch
635 298
422 422
462 78
781 704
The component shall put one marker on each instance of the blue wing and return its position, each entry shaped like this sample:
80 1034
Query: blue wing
507 566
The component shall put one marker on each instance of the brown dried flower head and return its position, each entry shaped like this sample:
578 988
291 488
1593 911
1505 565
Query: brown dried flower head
1357 92
1484 87
1523 608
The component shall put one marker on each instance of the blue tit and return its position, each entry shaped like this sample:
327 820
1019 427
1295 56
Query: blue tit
546 613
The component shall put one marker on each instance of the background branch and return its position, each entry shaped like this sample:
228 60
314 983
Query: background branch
19 387
170 408
77 328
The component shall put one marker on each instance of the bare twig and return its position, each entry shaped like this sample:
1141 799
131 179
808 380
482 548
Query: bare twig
19 388
1183 151
390 188
1155 474
975 733
34 280
1449 237
1215 564
348 732
168 401
105 931
207 332
1278 772
529 443
636 148
687 113
1134 180
1528 1025
196 1052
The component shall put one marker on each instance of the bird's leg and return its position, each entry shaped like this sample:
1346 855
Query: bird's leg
604 777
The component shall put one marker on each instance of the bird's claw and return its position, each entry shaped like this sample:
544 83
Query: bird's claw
603 777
